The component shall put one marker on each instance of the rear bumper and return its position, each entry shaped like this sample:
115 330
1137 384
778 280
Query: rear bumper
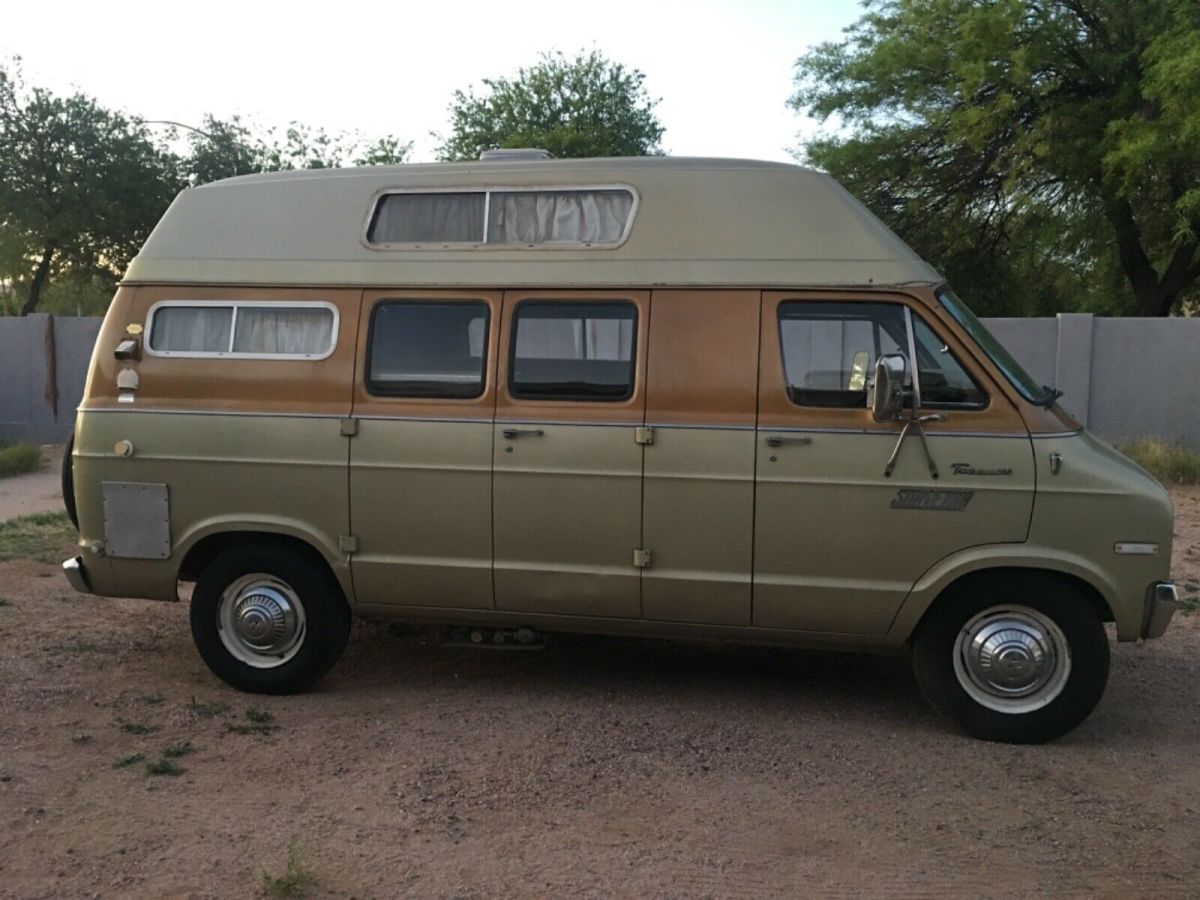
1161 602
76 575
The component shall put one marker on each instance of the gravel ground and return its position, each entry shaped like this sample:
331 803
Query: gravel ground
597 767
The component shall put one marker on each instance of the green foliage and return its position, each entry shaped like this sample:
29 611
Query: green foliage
178 749
164 766
586 106
131 759
80 187
19 459
225 148
201 710
294 882
1168 461
1036 151
46 537
258 721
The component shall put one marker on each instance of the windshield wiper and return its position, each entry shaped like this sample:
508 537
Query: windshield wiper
1049 395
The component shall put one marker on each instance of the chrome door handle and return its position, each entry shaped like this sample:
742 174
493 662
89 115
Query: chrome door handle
777 440
514 433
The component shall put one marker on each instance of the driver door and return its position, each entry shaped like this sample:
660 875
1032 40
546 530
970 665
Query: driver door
837 543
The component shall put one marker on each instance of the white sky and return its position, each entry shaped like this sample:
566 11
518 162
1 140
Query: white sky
722 68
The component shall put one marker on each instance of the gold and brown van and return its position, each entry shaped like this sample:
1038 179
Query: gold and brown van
673 397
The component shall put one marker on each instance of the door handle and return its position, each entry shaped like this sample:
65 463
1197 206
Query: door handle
511 434
778 440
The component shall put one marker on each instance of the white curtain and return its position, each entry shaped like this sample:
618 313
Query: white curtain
191 329
577 339
429 218
547 217
283 330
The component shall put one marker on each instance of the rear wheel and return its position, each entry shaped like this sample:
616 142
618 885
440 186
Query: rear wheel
1014 657
268 619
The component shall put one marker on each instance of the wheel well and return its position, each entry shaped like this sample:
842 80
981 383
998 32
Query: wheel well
205 550
1022 577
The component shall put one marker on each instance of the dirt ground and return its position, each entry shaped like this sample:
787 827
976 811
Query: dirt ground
594 768
38 492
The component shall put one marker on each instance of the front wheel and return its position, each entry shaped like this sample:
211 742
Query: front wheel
268 619
1014 658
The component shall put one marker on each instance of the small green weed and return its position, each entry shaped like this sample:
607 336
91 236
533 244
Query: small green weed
202 710
258 721
164 766
45 537
178 749
137 727
131 759
294 882
19 458
4 601
1168 461
1189 603
81 738
154 698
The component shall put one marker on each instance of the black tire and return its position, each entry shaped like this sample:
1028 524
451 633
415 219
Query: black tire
68 482
325 612
1067 608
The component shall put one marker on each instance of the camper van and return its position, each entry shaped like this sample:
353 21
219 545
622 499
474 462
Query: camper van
668 397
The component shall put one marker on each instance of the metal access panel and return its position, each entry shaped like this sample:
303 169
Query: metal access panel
137 520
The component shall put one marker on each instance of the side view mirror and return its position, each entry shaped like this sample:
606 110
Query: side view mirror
887 400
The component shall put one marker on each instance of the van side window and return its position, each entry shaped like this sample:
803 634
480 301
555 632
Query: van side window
830 351
945 384
427 349
573 351
253 330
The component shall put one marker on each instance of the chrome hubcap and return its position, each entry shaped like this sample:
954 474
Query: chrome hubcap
261 620
1012 659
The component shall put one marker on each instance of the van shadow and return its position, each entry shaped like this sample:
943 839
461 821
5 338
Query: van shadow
644 674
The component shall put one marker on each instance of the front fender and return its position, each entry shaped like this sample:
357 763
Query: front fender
1010 556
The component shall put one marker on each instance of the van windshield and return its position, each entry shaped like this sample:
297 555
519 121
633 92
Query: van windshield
1017 376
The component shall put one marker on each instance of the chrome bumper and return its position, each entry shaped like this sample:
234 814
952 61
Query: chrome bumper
1161 602
73 569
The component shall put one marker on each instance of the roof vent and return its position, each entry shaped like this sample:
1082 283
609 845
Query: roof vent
515 154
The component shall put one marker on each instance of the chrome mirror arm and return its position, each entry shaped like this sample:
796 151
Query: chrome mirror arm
917 422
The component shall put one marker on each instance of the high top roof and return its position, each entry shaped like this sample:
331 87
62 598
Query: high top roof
699 222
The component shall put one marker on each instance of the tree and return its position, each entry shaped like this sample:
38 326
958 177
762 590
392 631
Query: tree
80 187
1049 143
586 106
225 148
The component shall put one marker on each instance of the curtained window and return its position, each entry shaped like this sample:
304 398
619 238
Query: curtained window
243 329
591 217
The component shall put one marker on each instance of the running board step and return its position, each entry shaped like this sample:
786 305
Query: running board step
494 638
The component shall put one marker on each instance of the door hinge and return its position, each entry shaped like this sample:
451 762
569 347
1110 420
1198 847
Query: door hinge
347 543
349 427
642 558
643 434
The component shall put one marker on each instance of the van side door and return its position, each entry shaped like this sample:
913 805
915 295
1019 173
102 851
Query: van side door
421 460
839 541
567 498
